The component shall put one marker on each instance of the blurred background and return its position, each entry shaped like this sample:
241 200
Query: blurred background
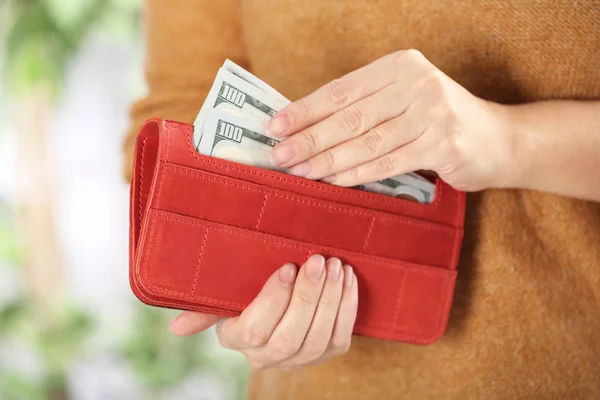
69 326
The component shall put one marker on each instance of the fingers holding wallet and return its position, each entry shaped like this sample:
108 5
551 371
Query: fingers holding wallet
296 319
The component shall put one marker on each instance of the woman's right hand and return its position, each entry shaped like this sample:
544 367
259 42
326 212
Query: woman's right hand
299 318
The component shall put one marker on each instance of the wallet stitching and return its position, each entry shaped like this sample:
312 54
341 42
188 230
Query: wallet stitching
343 208
434 204
453 231
199 260
262 209
141 180
150 235
369 231
432 270
399 300
208 300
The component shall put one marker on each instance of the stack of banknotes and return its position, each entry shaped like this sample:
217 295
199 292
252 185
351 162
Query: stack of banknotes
231 125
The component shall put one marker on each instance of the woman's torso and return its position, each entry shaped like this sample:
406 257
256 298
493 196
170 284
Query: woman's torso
525 321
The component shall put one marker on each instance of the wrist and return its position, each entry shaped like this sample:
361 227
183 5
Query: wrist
521 144
506 146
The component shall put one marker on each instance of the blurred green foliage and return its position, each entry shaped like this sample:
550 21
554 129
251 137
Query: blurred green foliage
162 360
11 250
16 386
44 35
159 358
56 345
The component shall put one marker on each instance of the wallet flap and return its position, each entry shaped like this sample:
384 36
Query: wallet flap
206 233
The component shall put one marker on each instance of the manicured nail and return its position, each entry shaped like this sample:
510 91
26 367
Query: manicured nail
302 169
287 273
315 267
329 179
334 266
348 276
282 153
279 124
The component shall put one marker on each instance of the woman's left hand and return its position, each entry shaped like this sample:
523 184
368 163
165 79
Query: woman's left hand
398 114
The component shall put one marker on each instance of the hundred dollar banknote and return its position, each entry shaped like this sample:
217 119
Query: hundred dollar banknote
238 139
237 96
235 69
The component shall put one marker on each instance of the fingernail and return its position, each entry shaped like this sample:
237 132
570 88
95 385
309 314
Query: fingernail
287 273
282 153
329 179
302 169
334 266
315 267
348 276
279 124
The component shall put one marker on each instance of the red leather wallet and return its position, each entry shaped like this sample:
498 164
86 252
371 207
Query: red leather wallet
206 233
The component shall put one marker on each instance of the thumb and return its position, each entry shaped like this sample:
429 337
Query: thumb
189 323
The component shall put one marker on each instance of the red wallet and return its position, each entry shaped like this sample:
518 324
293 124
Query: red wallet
206 233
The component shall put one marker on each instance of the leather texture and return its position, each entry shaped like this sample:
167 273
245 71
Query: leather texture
206 233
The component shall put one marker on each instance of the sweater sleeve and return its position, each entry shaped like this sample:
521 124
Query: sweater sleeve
186 43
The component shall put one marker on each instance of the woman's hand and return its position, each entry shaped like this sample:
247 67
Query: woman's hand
395 115
299 318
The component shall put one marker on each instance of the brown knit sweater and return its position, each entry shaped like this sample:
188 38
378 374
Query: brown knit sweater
525 323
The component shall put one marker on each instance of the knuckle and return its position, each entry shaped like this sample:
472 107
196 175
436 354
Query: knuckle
340 346
302 110
435 81
409 55
330 160
256 364
306 299
340 90
452 131
354 119
253 337
225 338
352 175
372 141
452 114
284 348
311 140
329 304
270 303
385 164
414 54
223 341
314 349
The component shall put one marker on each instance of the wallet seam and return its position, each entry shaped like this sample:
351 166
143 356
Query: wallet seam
400 298
453 232
166 215
369 232
199 260
309 200
434 204
262 209
141 181
300 245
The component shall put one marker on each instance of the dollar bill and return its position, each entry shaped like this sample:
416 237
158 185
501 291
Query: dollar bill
235 69
237 96
395 187
239 139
